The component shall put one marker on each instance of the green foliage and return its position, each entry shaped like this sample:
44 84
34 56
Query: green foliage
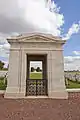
1 65
5 69
32 69
38 69
3 83
73 84
1 78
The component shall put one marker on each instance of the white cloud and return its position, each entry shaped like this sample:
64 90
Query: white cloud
72 62
36 64
6 63
3 38
33 15
37 15
30 15
75 28
76 52
4 53
4 48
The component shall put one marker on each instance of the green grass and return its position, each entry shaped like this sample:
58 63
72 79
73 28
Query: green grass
35 75
2 84
73 84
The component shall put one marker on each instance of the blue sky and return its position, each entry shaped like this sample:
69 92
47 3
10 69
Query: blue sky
13 15
71 12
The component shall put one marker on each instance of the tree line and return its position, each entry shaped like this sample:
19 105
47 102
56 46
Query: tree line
2 66
37 69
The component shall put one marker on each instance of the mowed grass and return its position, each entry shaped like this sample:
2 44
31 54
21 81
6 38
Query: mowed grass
3 84
73 84
35 75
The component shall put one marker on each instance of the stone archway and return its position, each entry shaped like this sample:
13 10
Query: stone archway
36 87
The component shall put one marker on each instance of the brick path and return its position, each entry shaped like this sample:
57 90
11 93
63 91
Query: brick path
40 109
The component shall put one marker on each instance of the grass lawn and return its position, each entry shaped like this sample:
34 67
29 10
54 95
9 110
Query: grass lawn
2 84
73 84
35 75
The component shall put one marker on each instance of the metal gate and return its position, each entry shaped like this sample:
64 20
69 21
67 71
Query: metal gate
36 87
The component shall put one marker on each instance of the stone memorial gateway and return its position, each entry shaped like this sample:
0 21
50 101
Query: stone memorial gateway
36 47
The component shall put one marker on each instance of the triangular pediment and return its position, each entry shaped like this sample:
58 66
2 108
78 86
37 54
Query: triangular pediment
35 37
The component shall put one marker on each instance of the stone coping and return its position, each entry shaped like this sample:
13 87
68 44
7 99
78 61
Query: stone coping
34 97
73 90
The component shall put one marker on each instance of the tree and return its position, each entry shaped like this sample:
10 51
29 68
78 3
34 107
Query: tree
38 69
1 65
32 69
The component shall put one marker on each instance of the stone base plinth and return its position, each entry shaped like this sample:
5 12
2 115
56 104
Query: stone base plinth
58 94
13 92
14 95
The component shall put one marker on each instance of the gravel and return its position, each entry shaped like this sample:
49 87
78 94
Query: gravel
40 109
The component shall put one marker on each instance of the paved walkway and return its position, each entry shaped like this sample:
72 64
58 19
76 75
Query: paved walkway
40 109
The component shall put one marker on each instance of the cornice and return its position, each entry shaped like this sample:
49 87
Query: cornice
36 38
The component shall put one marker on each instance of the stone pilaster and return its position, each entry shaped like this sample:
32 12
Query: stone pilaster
13 74
58 89
49 66
23 73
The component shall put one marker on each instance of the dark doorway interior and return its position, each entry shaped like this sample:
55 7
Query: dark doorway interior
36 86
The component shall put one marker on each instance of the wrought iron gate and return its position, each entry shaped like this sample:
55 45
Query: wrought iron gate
36 87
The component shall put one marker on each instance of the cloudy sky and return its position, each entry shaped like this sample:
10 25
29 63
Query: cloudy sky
57 17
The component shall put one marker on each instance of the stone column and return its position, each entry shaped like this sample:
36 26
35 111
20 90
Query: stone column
58 89
13 74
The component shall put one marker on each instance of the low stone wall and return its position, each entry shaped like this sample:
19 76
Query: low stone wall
73 90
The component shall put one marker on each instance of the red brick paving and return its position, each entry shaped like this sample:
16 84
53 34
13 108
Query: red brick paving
41 109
